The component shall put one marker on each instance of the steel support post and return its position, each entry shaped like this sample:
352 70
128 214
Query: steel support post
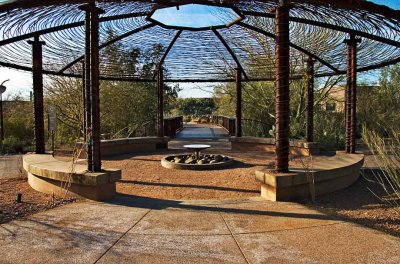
160 97
38 108
351 94
310 100
282 99
92 73
238 132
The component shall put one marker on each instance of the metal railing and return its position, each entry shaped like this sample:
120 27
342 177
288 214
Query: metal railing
172 125
226 122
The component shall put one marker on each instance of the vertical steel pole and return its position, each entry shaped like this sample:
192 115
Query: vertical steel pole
95 89
310 100
84 101
351 94
92 73
348 91
38 108
282 98
160 89
353 112
88 105
1 118
238 102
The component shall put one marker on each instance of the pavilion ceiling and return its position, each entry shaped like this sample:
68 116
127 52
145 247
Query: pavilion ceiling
318 29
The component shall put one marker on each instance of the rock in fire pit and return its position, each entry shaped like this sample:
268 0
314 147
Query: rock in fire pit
202 162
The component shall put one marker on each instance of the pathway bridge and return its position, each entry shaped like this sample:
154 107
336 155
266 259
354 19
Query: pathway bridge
202 131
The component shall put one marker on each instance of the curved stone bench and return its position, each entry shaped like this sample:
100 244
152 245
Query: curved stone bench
130 145
48 175
297 147
330 174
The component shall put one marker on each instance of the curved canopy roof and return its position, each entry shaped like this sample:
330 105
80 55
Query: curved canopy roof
318 29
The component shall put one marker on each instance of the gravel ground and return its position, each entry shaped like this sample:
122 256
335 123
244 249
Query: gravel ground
143 175
32 201
359 205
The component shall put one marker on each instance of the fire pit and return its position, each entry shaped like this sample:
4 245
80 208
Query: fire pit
196 161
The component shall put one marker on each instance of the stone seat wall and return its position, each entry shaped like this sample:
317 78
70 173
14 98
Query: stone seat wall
328 173
297 147
49 175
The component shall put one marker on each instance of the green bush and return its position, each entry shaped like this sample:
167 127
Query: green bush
12 144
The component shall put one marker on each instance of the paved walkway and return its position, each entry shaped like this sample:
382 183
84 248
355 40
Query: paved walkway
137 230
202 131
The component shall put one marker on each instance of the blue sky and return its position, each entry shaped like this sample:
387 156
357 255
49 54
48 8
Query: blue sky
391 3
22 81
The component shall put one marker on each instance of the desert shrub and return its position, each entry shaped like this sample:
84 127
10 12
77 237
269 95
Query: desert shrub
329 130
386 152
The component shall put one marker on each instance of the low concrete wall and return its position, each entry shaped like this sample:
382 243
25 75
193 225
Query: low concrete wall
297 147
131 145
330 174
48 175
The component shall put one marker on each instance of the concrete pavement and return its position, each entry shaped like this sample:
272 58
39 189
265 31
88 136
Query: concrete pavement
139 230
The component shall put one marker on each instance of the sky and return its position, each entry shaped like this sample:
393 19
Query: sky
21 82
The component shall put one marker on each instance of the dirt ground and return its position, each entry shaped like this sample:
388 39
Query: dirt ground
32 201
143 175
359 204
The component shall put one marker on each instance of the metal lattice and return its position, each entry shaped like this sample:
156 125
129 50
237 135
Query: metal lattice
317 29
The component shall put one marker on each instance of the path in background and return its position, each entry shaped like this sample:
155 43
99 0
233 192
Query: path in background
202 131
208 134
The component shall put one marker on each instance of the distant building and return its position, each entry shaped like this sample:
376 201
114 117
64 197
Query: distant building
335 99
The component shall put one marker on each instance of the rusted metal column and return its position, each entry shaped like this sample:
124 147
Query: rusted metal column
88 104
347 105
351 94
1 119
310 100
84 100
38 108
92 74
282 107
160 97
353 111
238 132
